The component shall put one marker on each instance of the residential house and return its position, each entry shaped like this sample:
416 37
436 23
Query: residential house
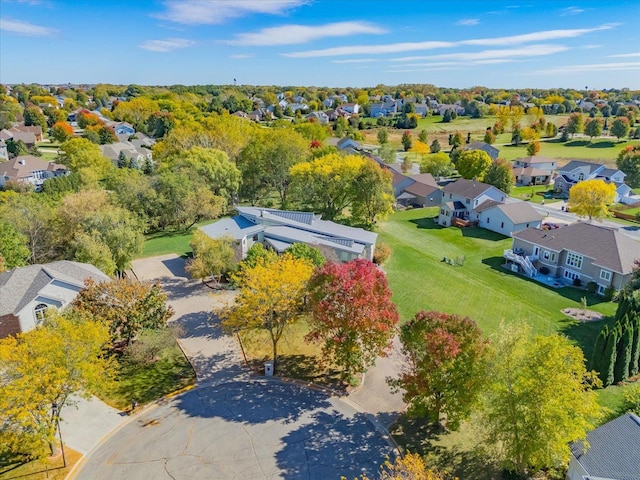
137 154
611 451
320 117
352 108
485 147
28 138
327 103
458 109
507 218
122 128
534 170
279 229
581 252
4 153
36 130
577 171
461 198
385 109
348 142
422 109
417 190
26 292
30 169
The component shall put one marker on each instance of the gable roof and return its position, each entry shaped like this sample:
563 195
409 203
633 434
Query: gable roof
485 147
467 188
532 160
21 167
421 189
573 164
21 285
613 449
607 247
518 212
425 178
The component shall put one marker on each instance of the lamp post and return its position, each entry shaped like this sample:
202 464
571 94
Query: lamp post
55 413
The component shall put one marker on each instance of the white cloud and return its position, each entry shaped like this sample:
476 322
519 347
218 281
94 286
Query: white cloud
166 45
241 55
571 11
468 22
24 28
540 36
569 69
528 51
292 34
626 55
356 60
210 12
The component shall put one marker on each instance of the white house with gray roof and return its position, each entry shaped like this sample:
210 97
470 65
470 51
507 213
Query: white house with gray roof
577 171
508 218
279 229
26 292
461 198
581 252
610 452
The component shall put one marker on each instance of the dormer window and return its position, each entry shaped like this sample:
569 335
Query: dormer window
580 176
40 312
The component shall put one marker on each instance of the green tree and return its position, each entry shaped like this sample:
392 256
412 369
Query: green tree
351 313
473 164
271 297
538 399
383 136
304 251
212 257
88 248
17 148
81 155
422 136
435 146
372 194
45 367
455 139
13 246
607 374
61 131
125 306
620 127
624 350
388 153
406 140
593 128
575 124
437 164
33 117
500 175
489 137
591 198
445 367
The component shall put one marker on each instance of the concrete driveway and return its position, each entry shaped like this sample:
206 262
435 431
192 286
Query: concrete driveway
259 429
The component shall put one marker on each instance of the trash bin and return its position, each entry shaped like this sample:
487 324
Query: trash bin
268 369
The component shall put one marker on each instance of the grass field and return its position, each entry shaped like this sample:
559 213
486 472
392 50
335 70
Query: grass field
43 469
161 243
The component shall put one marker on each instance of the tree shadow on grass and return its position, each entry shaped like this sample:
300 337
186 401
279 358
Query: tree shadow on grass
427 223
482 233
603 144
584 334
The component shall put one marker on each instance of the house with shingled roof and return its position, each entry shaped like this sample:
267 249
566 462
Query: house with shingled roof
508 218
534 170
490 150
610 452
462 197
27 292
30 169
577 171
280 229
578 253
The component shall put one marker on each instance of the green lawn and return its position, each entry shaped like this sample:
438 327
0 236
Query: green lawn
603 150
161 243
45 468
480 288
529 194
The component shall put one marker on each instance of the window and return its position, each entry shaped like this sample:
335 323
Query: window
574 260
605 275
553 257
468 201
546 254
487 219
581 177
501 224
255 237
571 275
40 311
536 250
601 289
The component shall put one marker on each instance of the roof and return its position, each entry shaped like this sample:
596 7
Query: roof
467 188
573 164
425 178
607 247
531 171
237 227
422 189
21 167
485 147
281 237
535 159
306 221
455 205
517 212
21 285
613 449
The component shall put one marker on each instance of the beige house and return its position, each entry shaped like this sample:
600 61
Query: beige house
534 170
30 169
461 198
580 253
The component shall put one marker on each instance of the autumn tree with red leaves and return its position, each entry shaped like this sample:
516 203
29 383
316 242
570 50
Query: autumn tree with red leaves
444 369
352 313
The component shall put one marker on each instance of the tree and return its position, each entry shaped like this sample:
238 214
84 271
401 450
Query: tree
473 164
306 252
125 306
271 297
422 136
34 117
455 139
590 198
406 140
435 146
160 124
624 350
593 128
61 131
81 155
489 137
372 194
437 164
383 136
409 467
351 313
500 175
17 148
575 124
42 368
13 246
620 127
212 257
538 399
444 369
88 248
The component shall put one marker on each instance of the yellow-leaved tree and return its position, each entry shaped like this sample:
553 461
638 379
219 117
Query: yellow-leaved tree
409 467
41 369
591 198
271 296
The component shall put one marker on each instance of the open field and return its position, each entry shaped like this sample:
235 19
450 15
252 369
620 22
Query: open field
161 243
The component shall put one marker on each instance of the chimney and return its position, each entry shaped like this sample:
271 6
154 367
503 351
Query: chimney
21 161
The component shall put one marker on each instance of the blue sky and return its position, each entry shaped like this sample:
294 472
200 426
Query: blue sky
336 43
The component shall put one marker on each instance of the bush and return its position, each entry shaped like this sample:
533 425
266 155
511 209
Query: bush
592 287
381 253
544 270
148 347
577 282
609 293
632 400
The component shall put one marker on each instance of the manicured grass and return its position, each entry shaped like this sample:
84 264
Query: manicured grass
600 150
480 288
146 383
43 469
296 358
162 243
529 194
613 398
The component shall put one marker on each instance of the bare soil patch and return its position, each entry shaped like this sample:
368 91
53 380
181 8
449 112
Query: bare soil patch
583 315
